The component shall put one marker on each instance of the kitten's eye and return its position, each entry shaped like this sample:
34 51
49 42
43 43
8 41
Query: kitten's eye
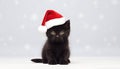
62 32
53 33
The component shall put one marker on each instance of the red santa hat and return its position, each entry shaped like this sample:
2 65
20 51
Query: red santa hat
51 18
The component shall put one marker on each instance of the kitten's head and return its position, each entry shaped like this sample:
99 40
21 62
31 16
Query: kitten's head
59 33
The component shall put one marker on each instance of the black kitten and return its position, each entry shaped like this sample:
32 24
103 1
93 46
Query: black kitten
56 49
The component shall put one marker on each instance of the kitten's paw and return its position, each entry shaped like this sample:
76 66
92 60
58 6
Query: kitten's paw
63 62
52 62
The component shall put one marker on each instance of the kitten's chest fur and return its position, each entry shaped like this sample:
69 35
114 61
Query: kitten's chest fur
58 49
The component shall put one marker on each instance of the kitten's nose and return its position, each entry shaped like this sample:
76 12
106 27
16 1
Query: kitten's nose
57 35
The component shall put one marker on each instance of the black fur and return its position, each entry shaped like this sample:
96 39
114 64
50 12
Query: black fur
56 49
37 60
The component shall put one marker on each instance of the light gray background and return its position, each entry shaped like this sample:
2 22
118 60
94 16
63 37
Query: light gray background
95 26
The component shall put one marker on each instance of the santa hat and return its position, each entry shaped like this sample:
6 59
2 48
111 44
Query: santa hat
51 18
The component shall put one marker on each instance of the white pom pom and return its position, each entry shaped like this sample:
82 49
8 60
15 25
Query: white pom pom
42 29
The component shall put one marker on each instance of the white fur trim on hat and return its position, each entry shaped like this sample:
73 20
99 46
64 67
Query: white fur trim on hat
42 29
55 22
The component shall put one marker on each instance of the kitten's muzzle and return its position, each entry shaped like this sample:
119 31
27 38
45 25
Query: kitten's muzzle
57 36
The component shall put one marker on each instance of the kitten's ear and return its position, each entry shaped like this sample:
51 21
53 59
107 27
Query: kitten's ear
67 24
